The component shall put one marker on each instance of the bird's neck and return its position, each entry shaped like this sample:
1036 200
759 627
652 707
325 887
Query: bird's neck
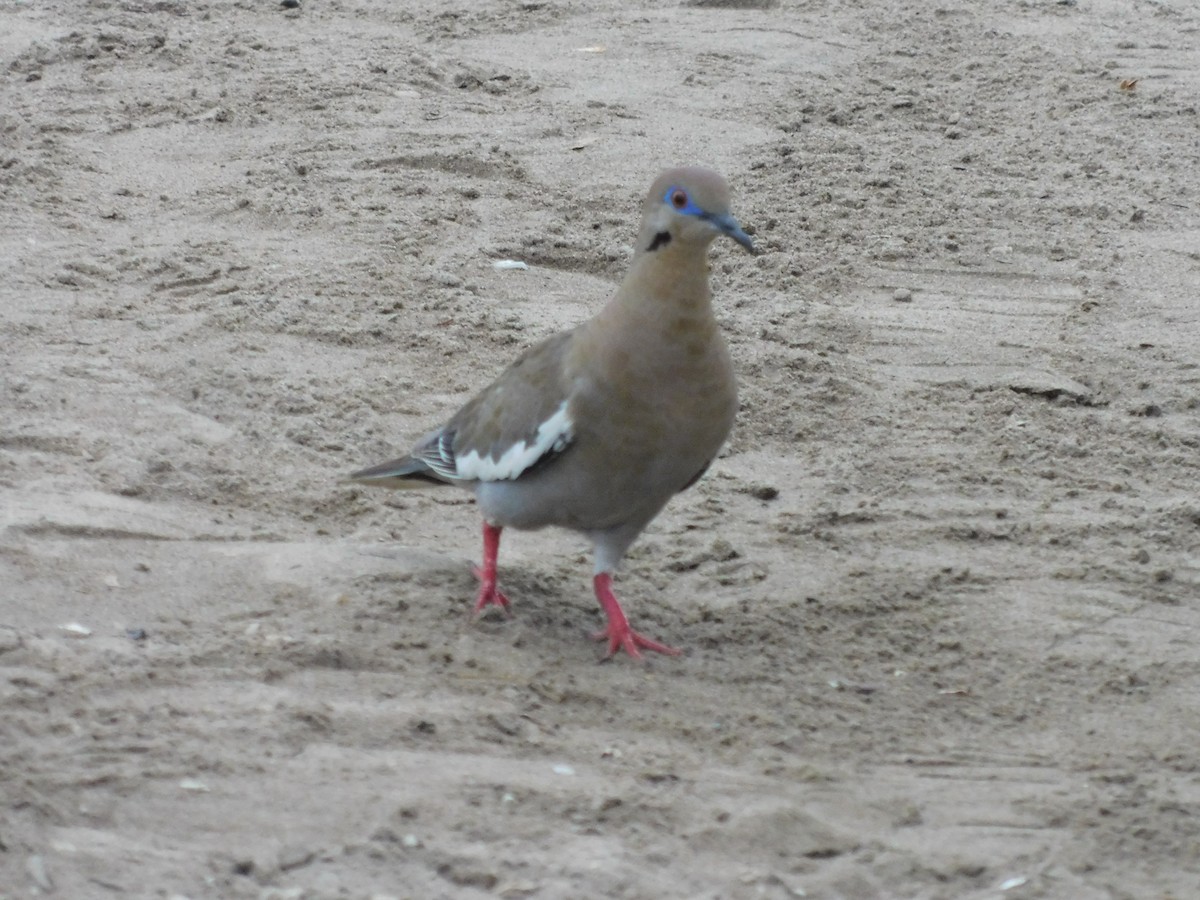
659 325
671 280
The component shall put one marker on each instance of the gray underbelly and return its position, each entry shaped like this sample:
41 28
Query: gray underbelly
566 500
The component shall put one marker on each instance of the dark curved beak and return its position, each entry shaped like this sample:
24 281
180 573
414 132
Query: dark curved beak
729 227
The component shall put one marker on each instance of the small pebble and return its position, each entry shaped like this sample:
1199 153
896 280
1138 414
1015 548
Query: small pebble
902 295
35 867
563 769
290 4
293 856
9 640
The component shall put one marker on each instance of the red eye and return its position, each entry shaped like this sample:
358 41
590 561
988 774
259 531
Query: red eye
679 199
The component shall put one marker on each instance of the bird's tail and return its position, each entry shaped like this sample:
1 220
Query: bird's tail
403 473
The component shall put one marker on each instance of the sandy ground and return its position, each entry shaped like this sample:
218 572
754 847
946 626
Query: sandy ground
939 596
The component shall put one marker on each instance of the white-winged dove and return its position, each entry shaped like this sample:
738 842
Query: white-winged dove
596 428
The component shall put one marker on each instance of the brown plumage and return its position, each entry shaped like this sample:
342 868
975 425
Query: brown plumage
596 428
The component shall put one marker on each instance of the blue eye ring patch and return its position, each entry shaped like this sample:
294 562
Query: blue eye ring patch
689 209
725 223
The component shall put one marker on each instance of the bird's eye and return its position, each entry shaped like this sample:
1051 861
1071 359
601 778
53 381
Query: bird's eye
679 199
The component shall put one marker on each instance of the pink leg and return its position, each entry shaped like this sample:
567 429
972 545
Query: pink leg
618 633
489 594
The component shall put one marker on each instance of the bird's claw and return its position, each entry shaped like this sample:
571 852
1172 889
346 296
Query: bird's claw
630 641
489 595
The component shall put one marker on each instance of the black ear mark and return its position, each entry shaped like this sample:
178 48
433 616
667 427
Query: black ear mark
660 240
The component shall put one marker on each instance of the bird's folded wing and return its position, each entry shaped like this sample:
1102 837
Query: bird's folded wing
519 420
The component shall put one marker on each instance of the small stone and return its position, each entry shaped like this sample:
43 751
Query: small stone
290 4
764 491
607 804
953 133
264 863
35 867
518 889
902 295
1049 387
723 551
9 640
293 856
465 875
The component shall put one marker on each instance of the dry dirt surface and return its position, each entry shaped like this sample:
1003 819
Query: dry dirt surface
938 595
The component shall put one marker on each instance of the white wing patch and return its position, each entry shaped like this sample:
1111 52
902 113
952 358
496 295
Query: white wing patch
553 436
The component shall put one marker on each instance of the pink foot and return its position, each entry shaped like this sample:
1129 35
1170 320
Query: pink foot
489 594
618 633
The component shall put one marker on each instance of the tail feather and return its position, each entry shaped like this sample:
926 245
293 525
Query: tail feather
403 473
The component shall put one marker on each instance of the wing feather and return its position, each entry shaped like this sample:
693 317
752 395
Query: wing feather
519 421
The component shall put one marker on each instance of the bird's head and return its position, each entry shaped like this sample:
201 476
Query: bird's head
690 206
